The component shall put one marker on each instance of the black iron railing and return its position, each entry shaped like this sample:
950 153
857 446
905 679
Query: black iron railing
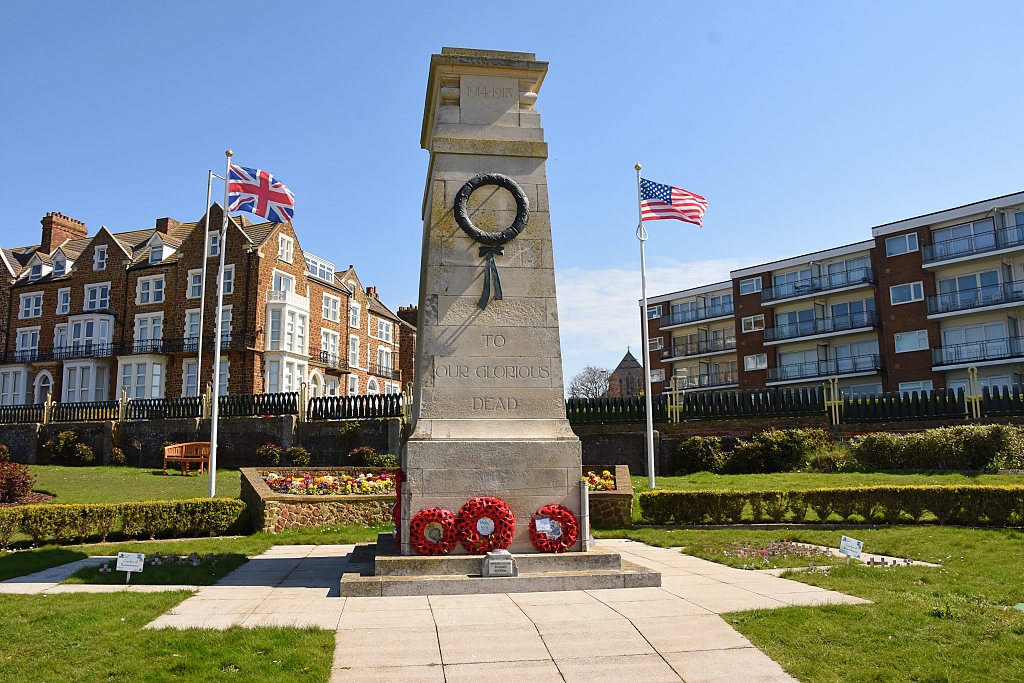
825 368
325 357
824 283
355 407
249 405
965 299
973 352
694 314
807 328
386 371
171 408
688 348
12 414
87 411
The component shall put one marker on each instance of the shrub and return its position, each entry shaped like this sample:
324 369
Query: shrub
298 456
386 460
364 456
269 454
117 457
700 454
831 459
10 521
963 447
67 449
15 481
5 453
775 451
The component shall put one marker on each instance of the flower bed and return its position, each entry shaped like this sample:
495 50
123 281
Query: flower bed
612 505
307 484
600 482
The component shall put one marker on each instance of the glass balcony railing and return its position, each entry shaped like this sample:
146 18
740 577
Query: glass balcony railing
965 299
808 328
978 243
703 380
695 314
974 352
825 368
824 283
681 349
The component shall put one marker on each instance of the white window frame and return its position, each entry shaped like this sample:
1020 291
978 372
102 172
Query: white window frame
655 343
225 322
755 361
920 336
38 383
57 330
229 282
752 320
157 251
35 272
150 371
63 306
332 308
918 386
63 263
188 314
152 292
13 383
213 244
654 312
21 333
752 285
99 257
98 287
353 358
189 285
916 293
35 305
285 248
279 278
149 318
383 325
354 314
184 377
224 377
907 239
353 385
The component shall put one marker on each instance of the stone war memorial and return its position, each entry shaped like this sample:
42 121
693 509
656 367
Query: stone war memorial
492 469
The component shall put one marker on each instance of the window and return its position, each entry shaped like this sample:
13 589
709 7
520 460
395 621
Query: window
911 341
99 257
860 390
60 336
353 385
794 279
964 238
156 253
329 347
655 343
353 351
142 380
273 376
332 387
319 268
213 244
653 312
902 294
901 244
150 290
97 296
850 314
36 271
371 386
920 387
384 330
384 360
222 379
91 331
190 379
28 344
314 385
44 384
289 330
967 291
656 376
283 283
753 323
149 331
192 326
353 315
60 266
64 301
195 284
31 305
284 248
300 339
275 329
332 305
84 383
758 361
12 383
229 280
750 286
225 327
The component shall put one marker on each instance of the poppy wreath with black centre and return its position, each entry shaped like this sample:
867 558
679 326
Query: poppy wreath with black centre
485 524
432 531
396 509
565 529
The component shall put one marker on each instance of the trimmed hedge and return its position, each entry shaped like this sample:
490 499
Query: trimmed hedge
964 447
64 523
967 505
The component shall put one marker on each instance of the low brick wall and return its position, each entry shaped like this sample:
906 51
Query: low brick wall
274 512
612 509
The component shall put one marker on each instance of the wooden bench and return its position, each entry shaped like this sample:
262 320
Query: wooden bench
188 453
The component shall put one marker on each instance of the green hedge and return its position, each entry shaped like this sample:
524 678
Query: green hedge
964 447
64 523
968 505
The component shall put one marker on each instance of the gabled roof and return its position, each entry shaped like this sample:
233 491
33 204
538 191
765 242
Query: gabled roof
380 310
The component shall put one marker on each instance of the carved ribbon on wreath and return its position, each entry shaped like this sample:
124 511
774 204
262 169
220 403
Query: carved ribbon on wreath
494 239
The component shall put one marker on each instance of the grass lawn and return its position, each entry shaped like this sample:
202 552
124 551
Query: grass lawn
946 625
81 637
108 484
206 574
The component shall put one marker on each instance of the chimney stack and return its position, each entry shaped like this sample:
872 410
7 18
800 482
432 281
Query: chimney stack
371 292
409 314
165 225
58 228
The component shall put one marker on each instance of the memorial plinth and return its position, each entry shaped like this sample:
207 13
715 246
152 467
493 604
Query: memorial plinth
488 413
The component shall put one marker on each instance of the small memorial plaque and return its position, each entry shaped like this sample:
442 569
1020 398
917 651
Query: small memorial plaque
130 562
499 563
543 525
851 547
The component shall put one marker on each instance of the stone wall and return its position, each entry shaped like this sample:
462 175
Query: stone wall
612 509
607 445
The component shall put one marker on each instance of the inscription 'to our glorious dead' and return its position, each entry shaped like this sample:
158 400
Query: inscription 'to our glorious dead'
493 371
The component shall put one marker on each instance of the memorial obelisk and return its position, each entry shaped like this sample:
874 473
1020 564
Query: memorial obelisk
488 412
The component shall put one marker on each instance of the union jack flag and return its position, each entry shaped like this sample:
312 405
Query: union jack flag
256 191
659 201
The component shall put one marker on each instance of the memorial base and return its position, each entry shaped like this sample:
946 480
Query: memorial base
377 570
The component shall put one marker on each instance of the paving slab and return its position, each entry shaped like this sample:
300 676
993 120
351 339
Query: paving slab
494 643
542 671
747 664
649 668
389 674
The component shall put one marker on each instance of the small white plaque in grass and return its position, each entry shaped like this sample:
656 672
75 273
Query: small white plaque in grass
851 547
130 562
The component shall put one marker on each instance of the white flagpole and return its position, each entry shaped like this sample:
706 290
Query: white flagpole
216 330
202 286
641 234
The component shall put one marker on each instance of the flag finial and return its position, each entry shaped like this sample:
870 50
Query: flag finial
229 153
637 167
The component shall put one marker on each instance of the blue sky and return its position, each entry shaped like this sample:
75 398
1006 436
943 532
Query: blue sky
804 124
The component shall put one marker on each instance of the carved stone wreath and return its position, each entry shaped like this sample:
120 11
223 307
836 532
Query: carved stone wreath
492 238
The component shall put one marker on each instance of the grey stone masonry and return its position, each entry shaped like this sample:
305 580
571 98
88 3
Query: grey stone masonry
489 414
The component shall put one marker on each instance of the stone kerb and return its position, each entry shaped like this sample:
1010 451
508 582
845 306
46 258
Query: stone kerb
274 512
612 508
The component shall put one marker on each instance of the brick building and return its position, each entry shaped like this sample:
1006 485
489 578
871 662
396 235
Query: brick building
89 316
407 338
909 310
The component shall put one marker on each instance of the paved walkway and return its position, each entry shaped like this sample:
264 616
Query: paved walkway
49 581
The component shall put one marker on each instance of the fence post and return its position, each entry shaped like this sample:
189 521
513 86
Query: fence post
122 405
207 404
302 402
48 408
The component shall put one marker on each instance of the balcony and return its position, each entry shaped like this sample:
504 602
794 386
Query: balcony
826 368
972 245
967 299
978 352
325 357
820 326
833 281
385 371
683 349
186 344
694 315
78 351
704 380
288 297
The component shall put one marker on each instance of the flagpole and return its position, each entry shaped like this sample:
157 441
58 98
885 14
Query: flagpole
641 234
216 330
202 285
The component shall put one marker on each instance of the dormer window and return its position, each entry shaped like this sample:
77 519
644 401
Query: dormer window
99 258
156 253
59 266
36 272
284 248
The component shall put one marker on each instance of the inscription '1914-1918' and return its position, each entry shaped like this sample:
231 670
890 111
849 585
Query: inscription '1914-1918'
492 91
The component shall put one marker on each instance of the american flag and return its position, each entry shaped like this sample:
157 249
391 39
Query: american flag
256 191
664 201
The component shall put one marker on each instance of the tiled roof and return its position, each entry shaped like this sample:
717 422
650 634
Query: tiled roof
257 233
381 310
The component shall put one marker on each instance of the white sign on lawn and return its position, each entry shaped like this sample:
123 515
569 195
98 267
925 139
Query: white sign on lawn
851 547
130 562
